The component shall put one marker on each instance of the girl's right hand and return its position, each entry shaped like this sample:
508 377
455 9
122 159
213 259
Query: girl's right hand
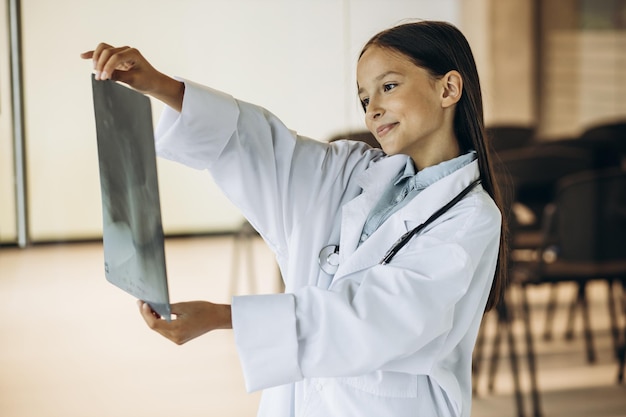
127 65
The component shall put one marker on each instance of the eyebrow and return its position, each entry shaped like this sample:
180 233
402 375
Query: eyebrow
380 77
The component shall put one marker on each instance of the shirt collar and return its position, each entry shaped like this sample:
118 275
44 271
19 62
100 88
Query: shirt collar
429 175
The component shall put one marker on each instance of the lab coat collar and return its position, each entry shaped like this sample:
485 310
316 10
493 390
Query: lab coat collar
378 176
373 181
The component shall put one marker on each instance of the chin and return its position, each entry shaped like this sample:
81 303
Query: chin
390 150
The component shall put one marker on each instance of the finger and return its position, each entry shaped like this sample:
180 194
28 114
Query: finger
95 56
87 55
169 330
99 49
108 59
148 315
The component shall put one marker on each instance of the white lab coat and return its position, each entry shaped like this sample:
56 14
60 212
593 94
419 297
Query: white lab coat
372 340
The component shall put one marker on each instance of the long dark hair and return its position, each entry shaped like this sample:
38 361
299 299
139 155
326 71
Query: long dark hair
440 47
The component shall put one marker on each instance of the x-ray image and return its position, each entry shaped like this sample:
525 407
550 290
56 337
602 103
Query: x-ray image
134 255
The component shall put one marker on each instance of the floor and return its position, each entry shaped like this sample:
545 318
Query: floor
73 345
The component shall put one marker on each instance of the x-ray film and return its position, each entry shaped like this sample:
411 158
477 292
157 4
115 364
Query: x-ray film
134 254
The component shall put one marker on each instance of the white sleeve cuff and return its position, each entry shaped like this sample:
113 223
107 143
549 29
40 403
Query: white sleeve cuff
266 338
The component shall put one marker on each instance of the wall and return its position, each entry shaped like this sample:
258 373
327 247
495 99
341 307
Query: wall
584 68
296 58
501 35
513 62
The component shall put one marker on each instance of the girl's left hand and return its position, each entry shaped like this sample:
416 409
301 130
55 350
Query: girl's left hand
193 319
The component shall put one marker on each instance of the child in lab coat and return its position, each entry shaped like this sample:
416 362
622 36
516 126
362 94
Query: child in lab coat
366 327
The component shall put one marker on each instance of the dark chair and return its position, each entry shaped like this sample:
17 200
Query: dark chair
506 137
606 142
531 174
583 232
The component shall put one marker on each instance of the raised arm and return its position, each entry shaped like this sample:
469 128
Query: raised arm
127 65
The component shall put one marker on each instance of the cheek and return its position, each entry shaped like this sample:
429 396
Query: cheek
423 109
368 124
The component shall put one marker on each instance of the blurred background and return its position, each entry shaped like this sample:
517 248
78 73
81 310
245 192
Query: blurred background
553 74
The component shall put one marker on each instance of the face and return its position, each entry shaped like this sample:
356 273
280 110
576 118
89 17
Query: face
403 105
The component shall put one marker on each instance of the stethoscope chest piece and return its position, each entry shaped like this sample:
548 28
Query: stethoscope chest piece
329 259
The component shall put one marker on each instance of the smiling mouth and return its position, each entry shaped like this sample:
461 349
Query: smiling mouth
384 129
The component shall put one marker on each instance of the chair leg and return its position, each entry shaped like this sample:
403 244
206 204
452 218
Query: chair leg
582 295
621 353
550 310
495 355
571 316
611 284
243 248
251 265
234 275
530 354
503 324
478 354
581 300
507 323
621 361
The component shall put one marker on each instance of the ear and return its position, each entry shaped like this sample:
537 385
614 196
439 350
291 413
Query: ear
452 88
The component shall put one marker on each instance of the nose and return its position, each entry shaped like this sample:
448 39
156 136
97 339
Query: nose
373 110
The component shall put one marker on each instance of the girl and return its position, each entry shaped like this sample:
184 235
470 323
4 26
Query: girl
369 325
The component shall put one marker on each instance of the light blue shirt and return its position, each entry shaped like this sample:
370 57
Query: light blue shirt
406 185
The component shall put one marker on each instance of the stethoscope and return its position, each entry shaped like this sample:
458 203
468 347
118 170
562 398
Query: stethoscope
329 255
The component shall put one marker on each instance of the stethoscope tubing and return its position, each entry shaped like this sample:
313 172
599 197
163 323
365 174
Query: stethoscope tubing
404 239
329 255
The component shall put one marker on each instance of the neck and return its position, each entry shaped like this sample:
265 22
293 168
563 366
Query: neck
425 158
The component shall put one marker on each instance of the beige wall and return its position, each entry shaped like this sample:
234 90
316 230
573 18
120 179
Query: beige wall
513 62
584 73
295 58
474 16
501 34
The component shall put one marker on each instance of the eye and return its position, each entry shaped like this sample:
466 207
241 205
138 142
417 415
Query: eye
365 102
389 86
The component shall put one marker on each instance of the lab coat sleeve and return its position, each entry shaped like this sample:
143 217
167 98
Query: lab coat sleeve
269 172
196 136
268 339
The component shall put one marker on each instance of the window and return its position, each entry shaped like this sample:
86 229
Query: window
582 64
